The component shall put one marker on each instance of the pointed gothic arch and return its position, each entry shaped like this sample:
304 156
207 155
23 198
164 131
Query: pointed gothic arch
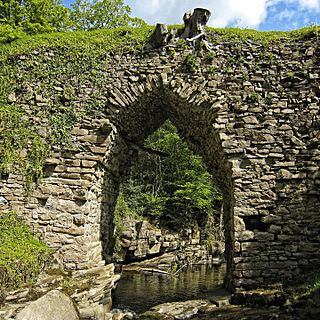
187 107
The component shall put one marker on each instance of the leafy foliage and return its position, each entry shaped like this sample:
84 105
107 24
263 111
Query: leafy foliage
20 145
90 15
121 211
22 255
9 33
42 16
34 16
308 285
191 63
23 147
176 191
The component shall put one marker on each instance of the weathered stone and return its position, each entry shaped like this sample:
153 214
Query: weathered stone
88 163
262 149
263 236
55 305
250 120
79 132
177 310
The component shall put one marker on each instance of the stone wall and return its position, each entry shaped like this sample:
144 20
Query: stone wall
251 111
141 240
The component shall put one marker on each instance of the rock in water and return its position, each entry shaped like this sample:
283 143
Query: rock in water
55 305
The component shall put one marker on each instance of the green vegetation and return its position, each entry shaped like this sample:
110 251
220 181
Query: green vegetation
34 16
17 135
309 287
22 255
41 16
121 212
22 147
174 190
90 15
191 63
265 37
255 97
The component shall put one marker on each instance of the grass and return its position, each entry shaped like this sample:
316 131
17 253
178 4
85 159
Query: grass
262 36
22 254
97 40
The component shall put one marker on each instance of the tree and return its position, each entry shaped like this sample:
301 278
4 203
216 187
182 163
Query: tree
45 15
34 16
89 15
38 16
175 190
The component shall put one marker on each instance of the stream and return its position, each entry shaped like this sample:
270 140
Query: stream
139 292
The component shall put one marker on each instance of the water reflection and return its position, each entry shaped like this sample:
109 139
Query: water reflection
139 292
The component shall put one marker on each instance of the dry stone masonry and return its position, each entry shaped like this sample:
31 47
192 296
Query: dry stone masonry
142 241
250 109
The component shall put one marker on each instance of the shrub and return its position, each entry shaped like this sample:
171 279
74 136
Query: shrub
22 254
9 33
191 63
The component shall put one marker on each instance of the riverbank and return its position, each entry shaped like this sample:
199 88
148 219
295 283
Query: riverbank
304 307
307 308
299 301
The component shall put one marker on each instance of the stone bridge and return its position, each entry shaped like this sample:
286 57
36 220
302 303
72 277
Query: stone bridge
250 109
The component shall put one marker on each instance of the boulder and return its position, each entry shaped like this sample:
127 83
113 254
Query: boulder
54 305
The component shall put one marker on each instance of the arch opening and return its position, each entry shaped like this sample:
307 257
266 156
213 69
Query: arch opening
138 121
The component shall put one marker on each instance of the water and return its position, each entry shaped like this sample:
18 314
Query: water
139 292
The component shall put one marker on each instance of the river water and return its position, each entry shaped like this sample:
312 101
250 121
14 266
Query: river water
139 292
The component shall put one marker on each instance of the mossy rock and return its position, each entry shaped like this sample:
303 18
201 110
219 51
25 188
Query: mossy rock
153 315
259 298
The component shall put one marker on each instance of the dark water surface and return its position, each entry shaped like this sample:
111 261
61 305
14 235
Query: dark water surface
139 292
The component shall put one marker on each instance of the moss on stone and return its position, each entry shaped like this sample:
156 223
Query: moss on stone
58 64
51 59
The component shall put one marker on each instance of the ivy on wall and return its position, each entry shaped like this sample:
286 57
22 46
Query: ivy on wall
49 70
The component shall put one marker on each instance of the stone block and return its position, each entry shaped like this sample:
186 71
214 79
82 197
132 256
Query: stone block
275 229
58 306
79 132
244 235
88 163
263 236
154 249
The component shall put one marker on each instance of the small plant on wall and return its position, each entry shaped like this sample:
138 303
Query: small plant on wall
191 63
210 56
255 97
